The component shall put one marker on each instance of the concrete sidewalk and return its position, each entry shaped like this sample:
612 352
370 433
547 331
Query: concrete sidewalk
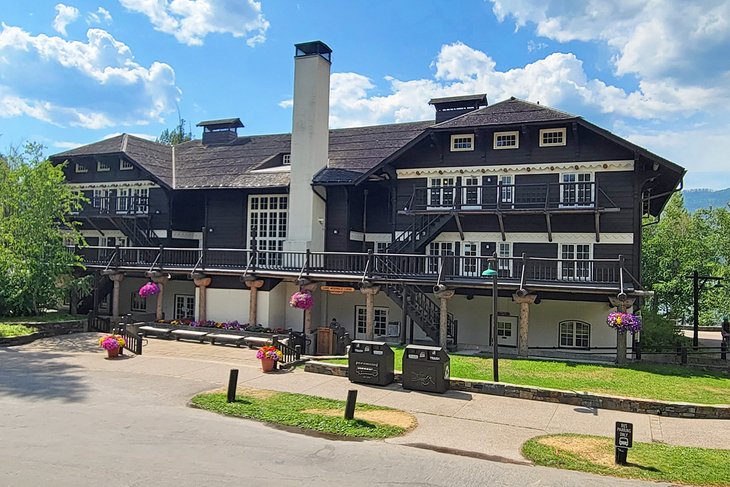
482 425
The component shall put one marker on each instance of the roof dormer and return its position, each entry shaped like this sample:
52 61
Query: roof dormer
453 106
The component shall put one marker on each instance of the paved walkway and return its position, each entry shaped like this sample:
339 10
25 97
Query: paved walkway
482 425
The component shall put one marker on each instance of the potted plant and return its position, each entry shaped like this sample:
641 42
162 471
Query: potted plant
268 355
301 300
149 289
624 322
112 344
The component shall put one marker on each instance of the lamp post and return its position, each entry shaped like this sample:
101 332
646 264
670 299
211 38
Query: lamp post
493 273
698 283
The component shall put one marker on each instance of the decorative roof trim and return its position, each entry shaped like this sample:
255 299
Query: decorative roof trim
114 184
538 168
537 237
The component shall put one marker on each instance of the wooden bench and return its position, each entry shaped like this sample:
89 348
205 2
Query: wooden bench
262 341
156 331
237 340
190 335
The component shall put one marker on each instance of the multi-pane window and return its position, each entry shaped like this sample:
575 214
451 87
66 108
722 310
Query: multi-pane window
504 329
184 307
575 262
100 200
80 168
504 261
574 334
268 217
552 137
381 247
471 191
125 165
441 192
577 189
133 200
112 241
462 142
286 159
470 252
506 140
102 166
138 303
380 320
435 250
506 190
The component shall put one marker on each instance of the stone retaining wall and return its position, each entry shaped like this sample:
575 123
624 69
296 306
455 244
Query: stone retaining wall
585 399
46 330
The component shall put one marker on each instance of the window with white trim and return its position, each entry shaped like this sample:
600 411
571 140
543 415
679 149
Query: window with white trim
102 166
469 260
472 192
435 250
125 165
504 260
462 142
507 140
381 247
80 168
575 262
184 307
441 191
268 214
107 241
552 137
574 334
506 190
380 320
286 159
576 189
100 200
138 303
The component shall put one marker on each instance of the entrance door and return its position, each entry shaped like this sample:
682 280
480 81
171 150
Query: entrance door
506 331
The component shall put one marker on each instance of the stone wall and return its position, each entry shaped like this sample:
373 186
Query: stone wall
46 330
584 399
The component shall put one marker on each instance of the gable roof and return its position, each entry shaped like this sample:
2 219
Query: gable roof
507 112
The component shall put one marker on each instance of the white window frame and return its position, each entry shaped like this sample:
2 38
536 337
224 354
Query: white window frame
102 166
100 199
576 272
470 259
80 168
286 159
573 335
506 195
380 320
125 165
445 192
504 266
511 133
270 218
435 251
459 139
471 183
189 298
109 241
138 303
575 203
544 132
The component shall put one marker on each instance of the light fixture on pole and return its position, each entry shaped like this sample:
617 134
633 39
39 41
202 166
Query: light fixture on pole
489 272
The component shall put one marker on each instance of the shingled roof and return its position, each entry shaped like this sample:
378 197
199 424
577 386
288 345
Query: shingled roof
508 112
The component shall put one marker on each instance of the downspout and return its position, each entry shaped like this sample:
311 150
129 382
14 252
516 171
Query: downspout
364 218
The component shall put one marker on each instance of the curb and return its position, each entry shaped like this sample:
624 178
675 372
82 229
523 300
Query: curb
573 398
45 330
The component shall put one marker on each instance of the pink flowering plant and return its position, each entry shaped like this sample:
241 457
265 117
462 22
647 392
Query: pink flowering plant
110 342
301 300
149 289
624 322
269 352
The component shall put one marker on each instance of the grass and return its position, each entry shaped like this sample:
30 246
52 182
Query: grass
14 330
648 381
646 461
296 410
46 318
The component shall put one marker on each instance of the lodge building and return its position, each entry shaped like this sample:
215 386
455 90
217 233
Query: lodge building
404 217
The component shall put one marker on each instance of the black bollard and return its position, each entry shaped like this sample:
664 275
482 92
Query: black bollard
350 407
232 385
620 457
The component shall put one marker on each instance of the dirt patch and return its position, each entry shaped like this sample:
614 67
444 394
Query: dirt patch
389 417
594 450
247 391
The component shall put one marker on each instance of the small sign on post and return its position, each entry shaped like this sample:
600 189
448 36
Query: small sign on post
623 440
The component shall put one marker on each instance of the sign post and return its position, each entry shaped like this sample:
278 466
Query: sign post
624 440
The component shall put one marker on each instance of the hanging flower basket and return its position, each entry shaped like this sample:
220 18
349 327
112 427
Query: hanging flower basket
624 322
301 300
149 289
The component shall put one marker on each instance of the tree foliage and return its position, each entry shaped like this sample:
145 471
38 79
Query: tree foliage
34 205
175 136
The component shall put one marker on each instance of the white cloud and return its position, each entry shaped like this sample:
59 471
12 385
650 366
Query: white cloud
190 21
91 84
64 16
140 135
101 16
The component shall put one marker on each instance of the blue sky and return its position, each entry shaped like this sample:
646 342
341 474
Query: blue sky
654 71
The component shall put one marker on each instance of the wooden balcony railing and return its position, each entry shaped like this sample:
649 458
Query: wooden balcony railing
388 268
115 205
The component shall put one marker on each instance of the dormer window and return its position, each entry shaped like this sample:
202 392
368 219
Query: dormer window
102 166
286 159
125 165
80 168
462 142
552 137
507 140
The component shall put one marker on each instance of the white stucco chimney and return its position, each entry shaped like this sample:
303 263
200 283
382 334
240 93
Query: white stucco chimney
309 145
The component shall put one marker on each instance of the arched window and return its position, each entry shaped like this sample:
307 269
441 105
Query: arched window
574 334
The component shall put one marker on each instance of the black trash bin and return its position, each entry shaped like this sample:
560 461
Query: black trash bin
371 363
426 369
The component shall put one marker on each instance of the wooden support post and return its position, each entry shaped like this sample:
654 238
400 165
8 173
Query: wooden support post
524 301
444 297
161 280
202 282
253 286
117 279
370 293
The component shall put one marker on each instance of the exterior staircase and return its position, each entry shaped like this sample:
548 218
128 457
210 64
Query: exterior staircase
137 230
86 304
419 234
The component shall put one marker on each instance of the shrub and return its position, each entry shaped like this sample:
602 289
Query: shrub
660 333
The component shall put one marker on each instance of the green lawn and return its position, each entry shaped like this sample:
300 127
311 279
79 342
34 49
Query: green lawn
15 330
649 381
307 412
646 461
46 318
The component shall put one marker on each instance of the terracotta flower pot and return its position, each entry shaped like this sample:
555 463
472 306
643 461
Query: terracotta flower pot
267 364
113 353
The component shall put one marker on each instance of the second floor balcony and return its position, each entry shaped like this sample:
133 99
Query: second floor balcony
110 205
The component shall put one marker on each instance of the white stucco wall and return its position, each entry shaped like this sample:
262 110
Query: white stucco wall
227 304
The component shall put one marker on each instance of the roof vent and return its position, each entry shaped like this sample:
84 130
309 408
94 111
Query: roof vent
220 132
453 106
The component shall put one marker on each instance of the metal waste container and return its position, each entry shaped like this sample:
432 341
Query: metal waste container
371 363
426 369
